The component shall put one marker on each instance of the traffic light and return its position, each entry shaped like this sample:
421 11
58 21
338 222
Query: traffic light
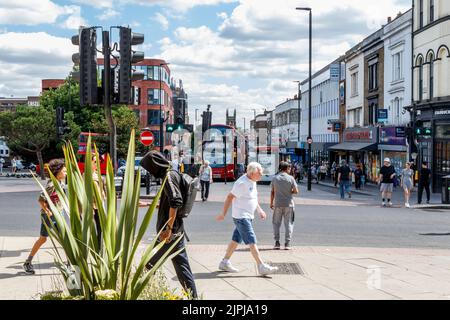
62 126
181 126
86 58
424 131
127 58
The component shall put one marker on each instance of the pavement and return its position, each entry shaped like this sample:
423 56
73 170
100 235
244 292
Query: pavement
307 271
310 273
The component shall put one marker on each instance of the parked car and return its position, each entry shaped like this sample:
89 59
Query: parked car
137 166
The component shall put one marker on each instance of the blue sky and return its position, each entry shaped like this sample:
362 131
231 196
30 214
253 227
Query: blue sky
240 54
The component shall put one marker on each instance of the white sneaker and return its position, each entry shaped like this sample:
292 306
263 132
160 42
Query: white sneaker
383 204
227 266
390 204
407 205
265 269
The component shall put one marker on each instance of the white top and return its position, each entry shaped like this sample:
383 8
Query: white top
246 201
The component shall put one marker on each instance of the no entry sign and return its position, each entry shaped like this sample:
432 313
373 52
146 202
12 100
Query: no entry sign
147 138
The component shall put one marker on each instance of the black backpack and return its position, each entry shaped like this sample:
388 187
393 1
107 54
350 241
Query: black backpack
188 188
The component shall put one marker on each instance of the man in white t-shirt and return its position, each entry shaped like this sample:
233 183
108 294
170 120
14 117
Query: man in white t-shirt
244 200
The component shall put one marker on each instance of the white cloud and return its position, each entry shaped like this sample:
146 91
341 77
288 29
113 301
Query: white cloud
181 5
97 3
108 14
262 46
24 61
162 20
222 15
75 20
28 12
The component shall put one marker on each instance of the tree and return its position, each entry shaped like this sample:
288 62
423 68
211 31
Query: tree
30 129
125 120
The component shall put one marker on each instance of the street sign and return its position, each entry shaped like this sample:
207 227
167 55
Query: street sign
147 138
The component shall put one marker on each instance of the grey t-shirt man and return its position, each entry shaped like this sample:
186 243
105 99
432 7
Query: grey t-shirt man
283 184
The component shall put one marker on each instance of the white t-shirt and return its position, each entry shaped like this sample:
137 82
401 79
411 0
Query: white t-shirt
246 201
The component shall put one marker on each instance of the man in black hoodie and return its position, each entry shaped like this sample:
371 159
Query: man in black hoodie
171 199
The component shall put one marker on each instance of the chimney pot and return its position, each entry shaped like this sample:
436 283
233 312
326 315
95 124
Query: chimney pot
389 19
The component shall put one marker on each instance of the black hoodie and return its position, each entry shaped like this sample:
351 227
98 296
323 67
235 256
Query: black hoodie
158 166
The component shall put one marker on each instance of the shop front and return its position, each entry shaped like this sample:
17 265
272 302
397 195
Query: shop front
434 145
393 145
360 146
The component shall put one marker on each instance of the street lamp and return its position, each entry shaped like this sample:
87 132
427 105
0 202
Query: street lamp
309 94
161 120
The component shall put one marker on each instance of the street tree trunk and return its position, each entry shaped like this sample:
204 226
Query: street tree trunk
41 163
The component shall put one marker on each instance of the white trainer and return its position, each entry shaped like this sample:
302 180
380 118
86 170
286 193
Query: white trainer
407 205
227 266
383 204
265 269
390 203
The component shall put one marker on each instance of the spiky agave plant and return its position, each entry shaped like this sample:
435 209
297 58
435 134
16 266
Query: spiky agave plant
108 263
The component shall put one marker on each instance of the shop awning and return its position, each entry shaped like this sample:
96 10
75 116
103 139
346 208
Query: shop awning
354 146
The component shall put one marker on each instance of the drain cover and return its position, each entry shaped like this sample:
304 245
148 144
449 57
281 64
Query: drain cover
287 268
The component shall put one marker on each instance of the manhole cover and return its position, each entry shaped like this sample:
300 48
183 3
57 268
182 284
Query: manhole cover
287 268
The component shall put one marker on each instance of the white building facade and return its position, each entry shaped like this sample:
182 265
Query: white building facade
397 69
431 86
354 91
325 111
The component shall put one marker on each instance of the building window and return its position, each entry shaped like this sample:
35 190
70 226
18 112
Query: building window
354 84
431 11
373 110
397 66
396 111
373 73
357 117
420 13
431 76
153 97
420 79
153 117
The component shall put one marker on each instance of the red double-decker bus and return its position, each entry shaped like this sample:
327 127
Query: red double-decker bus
82 145
226 158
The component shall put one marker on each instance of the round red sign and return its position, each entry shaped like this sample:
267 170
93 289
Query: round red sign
147 138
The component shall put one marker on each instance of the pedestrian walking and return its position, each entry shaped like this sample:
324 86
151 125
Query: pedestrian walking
344 179
171 200
14 165
386 182
205 179
424 182
244 201
336 174
358 174
407 182
2 162
101 189
58 169
283 187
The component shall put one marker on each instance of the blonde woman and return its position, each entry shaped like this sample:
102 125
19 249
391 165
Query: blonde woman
407 182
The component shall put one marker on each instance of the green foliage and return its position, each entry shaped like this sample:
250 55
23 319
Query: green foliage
110 266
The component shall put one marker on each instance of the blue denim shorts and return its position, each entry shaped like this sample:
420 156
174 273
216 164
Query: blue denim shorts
244 231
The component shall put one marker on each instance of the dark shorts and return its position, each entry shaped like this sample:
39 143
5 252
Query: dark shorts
46 220
244 231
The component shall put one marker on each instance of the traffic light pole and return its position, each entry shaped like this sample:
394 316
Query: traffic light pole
107 99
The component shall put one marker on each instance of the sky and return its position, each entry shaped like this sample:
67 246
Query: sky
236 54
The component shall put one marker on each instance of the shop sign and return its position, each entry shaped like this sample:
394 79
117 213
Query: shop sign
334 72
382 115
361 135
400 132
388 135
442 112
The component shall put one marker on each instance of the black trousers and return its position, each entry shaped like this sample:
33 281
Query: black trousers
420 192
357 182
181 265
205 189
